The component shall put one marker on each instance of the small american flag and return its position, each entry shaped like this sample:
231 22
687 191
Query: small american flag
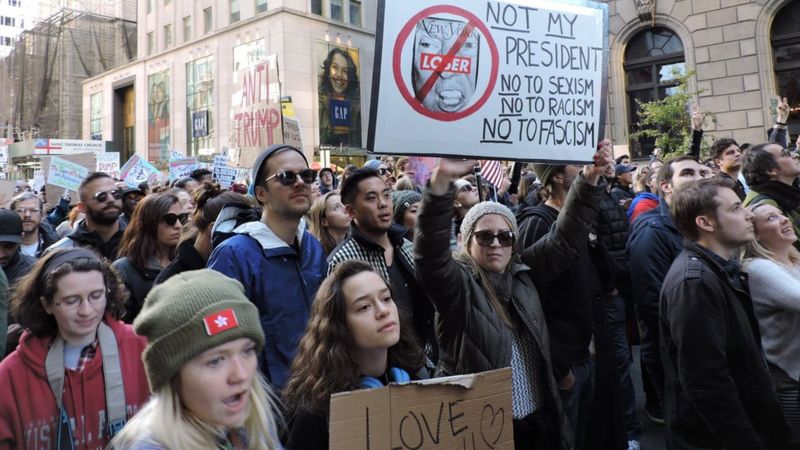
492 171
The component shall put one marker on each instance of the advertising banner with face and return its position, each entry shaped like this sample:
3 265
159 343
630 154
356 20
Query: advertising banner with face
158 125
339 93
517 80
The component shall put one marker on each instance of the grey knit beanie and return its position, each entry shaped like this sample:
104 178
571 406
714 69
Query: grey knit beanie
188 314
401 201
480 210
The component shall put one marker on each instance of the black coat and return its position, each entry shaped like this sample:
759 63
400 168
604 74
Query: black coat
186 258
138 281
718 390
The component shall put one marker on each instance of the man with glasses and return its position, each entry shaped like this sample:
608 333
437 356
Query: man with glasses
376 240
278 261
101 230
771 171
130 198
37 234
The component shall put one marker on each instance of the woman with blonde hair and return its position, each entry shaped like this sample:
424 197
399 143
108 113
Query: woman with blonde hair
202 366
355 339
773 266
328 221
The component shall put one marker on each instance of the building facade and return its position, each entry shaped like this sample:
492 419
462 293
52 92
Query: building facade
744 53
180 92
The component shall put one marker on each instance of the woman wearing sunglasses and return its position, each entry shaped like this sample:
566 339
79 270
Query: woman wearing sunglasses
77 374
148 246
489 315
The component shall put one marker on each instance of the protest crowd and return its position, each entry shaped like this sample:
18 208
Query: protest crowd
188 316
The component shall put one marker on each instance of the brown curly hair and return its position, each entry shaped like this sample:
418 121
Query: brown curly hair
27 308
140 238
324 364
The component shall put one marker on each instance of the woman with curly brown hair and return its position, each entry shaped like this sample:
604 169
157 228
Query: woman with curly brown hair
77 374
355 339
148 245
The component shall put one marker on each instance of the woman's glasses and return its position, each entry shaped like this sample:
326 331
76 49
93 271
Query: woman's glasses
484 238
171 218
288 177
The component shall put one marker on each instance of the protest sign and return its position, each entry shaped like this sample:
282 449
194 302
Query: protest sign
6 192
108 162
291 133
521 79
38 180
181 168
54 192
461 412
256 109
66 174
225 175
136 170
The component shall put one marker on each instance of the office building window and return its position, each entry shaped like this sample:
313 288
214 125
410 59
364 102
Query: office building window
336 10
149 6
167 36
316 7
236 13
208 23
785 38
261 6
355 12
199 105
187 28
158 116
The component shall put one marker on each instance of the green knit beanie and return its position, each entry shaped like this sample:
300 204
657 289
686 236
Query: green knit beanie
188 314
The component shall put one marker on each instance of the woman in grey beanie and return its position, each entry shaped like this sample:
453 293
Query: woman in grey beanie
489 314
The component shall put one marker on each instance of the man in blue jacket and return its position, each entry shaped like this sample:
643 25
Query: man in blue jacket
278 261
653 244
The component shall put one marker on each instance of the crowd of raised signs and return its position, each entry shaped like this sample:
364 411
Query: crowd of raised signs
192 317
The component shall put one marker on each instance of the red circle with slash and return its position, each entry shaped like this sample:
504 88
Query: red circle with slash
405 32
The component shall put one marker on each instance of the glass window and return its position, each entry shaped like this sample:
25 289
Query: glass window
96 117
187 28
785 37
336 10
236 14
207 21
150 43
167 2
199 104
316 7
261 6
653 60
355 12
158 117
247 54
167 36
149 6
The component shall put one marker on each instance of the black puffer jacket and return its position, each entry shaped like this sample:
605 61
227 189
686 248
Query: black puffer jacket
472 337
718 390
138 281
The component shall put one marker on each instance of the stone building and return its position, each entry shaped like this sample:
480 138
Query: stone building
744 52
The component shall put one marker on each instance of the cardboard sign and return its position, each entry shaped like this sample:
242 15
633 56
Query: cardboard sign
181 168
66 174
6 193
108 162
291 133
521 79
137 170
463 412
256 109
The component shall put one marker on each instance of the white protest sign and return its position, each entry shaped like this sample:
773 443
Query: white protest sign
38 180
108 162
521 79
225 175
181 168
66 174
291 133
136 170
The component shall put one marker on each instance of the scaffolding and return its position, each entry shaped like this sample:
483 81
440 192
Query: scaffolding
41 80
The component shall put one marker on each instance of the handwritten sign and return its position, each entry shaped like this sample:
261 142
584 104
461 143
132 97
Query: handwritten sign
108 162
291 133
520 79
54 192
66 174
256 109
136 170
467 412
6 192
181 168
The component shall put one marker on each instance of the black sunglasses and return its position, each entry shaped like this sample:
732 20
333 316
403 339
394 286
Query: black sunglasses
171 218
484 238
102 196
288 177
383 171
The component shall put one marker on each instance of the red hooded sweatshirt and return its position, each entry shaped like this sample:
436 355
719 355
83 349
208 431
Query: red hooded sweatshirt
28 413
